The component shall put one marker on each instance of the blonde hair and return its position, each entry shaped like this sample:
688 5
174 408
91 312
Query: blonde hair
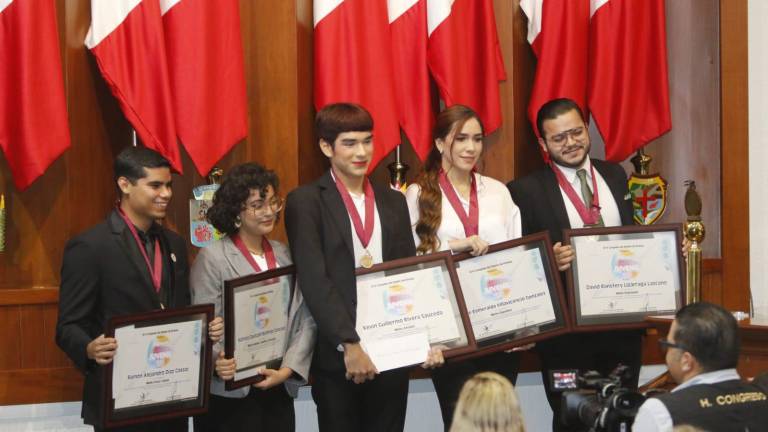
487 403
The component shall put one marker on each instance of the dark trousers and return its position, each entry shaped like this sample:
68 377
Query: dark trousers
374 406
262 410
449 379
174 425
601 352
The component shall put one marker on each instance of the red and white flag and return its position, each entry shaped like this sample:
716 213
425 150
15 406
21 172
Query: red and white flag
34 130
408 24
465 57
353 63
126 37
628 90
558 31
207 77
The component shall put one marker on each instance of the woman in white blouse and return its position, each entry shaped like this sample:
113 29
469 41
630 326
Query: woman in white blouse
452 207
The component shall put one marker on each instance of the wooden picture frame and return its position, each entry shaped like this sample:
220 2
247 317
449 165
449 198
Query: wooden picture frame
621 249
169 335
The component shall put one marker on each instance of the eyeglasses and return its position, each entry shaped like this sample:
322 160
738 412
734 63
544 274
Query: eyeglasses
665 345
576 134
260 207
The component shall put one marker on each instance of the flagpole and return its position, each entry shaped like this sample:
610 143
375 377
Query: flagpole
133 137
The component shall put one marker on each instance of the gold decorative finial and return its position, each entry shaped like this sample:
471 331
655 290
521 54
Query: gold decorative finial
694 232
642 162
215 175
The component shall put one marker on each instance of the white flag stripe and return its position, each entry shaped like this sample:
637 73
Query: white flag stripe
4 4
322 8
534 10
594 5
106 16
166 5
437 12
395 8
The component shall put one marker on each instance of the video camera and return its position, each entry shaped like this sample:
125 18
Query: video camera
603 404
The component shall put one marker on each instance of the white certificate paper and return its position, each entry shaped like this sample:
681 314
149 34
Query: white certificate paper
505 291
261 322
392 308
156 364
638 275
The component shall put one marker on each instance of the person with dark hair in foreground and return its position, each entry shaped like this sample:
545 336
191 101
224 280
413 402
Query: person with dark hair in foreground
702 350
246 208
127 264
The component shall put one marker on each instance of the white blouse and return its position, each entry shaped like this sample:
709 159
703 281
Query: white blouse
499 215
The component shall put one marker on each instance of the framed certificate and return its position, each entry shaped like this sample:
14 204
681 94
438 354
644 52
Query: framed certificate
406 306
623 274
162 367
256 322
513 293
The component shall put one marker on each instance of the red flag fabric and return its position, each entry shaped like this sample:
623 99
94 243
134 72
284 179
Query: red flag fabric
34 129
207 77
628 91
353 63
465 57
126 37
558 31
408 24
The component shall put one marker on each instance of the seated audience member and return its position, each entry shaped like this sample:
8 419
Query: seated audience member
702 352
487 403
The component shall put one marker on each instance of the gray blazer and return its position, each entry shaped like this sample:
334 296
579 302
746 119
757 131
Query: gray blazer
222 261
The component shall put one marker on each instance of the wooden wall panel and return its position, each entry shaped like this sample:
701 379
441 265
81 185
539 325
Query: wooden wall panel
734 117
690 150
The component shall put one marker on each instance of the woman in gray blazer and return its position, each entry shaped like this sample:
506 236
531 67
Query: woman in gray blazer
246 208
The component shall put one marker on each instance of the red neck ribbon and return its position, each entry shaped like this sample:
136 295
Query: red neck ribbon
156 271
470 221
364 232
589 216
269 254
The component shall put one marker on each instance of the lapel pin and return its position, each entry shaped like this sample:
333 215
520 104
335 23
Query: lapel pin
173 257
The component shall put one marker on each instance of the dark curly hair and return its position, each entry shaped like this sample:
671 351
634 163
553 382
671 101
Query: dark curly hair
234 191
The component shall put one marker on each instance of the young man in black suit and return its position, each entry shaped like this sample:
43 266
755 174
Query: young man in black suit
561 196
336 224
127 264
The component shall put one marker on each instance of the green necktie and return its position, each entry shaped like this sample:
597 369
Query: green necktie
586 195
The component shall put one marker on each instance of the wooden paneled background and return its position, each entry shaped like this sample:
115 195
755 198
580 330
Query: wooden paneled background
707 79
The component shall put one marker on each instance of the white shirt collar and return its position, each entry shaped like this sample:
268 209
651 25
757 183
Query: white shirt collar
710 378
570 173
354 196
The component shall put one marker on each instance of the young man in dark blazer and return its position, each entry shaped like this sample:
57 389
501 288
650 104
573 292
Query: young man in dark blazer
107 272
546 204
336 224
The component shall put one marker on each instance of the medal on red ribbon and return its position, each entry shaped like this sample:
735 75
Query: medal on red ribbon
364 230
269 254
156 270
470 221
589 216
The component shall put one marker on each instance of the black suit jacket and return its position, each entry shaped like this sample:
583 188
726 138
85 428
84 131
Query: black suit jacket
104 275
542 206
320 238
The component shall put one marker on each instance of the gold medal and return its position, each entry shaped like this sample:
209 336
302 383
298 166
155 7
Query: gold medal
366 260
